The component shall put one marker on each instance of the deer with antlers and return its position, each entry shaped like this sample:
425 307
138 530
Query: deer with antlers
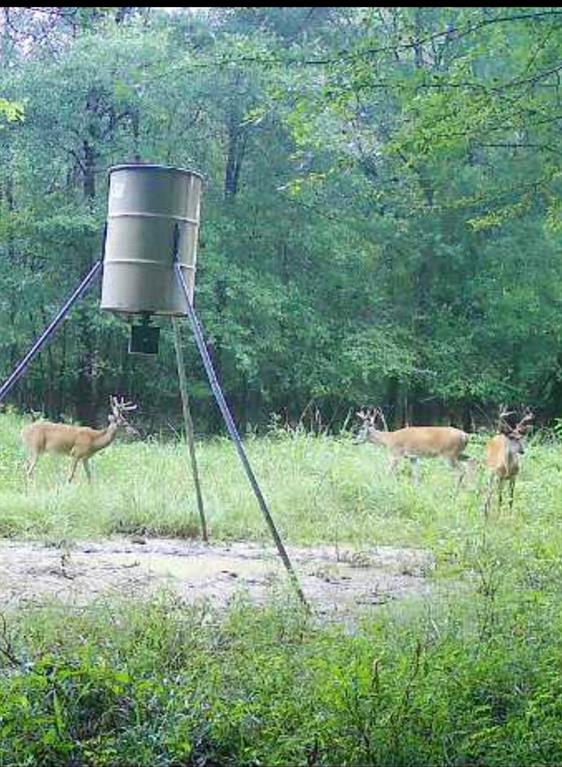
415 442
79 442
504 453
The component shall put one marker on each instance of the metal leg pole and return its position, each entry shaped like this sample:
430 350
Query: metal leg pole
219 396
23 364
189 433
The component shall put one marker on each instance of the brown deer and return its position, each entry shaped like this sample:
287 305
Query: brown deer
504 453
79 442
415 442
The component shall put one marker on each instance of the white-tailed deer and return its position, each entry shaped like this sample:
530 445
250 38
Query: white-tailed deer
79 442
415 442
504 455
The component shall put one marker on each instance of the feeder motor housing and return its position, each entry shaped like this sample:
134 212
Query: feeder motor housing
144 338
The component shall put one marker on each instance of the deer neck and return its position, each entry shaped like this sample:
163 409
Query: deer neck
105 436
380 437
512 455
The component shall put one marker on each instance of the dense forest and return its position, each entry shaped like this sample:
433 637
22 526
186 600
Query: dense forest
381 217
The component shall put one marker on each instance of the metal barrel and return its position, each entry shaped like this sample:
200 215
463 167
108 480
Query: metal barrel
152 221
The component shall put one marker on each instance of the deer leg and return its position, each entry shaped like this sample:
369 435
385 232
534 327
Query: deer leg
457 466
460 480
394 461
87 470
500 493
416 470
489 495
511 490
32 463
479 477
73 469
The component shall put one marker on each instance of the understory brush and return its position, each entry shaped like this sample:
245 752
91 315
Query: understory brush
134 684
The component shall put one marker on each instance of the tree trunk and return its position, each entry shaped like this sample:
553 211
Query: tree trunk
237 137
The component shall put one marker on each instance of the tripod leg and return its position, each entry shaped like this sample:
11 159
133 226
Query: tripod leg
229 421
189 433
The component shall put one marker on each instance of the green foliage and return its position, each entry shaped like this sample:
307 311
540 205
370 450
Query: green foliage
12 110
380 218
167 684
468 676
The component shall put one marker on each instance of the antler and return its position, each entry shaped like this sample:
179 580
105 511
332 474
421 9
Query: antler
127 405
371 414
525 424
523 427
367 415
503 425
121 406
378 412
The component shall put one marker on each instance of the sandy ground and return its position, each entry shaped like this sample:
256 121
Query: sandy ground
335 581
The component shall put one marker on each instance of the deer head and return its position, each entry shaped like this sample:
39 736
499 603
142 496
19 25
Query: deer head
369 420
515 433
118 408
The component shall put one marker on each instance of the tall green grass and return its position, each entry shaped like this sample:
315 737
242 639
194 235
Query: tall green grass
469 678
163 684
320 489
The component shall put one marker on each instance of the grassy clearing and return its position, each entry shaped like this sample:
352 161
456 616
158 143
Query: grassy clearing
320 489
473 679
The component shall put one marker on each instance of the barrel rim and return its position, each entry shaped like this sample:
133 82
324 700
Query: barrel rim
153 166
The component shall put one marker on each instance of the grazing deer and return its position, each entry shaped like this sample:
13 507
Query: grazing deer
504 455
79 442
415 442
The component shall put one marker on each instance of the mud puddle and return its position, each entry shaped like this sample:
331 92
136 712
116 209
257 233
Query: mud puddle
335 581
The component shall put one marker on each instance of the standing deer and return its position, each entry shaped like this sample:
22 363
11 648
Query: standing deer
504 455
79 442
415 442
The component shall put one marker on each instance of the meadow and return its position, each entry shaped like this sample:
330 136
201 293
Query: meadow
470 677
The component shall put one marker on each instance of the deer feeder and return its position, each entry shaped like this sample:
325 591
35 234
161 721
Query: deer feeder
149 255
152 225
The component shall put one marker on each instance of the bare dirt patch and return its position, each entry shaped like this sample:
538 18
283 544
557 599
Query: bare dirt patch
334 581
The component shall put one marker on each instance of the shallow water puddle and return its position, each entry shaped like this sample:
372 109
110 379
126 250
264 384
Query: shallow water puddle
334 581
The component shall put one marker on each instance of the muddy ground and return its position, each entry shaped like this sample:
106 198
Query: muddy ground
335 581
